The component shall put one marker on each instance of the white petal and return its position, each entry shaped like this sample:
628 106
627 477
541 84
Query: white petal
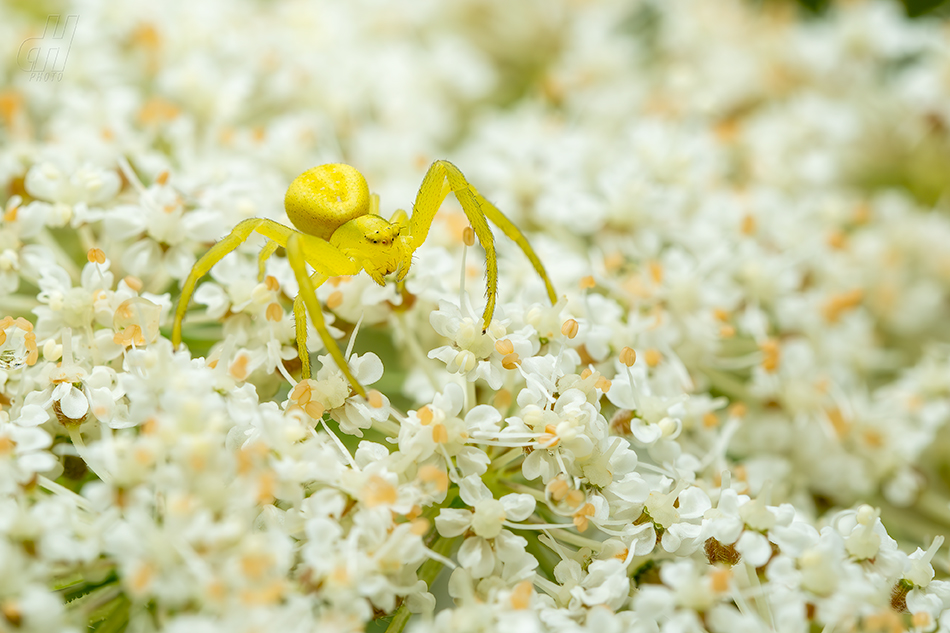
645 433
509 547
367 368
693 503
476 556
518 507
74 404
472 461
472 489
32 415
103 404
453 522
754 548
531 466
643 538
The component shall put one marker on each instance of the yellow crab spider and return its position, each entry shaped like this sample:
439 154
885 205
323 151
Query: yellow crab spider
340 232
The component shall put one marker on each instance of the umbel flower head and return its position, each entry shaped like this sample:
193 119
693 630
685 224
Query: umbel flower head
726 412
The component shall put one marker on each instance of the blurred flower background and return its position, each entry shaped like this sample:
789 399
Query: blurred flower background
733 419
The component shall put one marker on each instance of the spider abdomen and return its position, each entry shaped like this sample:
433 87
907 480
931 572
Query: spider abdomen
324 198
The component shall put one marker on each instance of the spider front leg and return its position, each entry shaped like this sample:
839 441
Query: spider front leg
270 229
443 177
308 293
269 249
324 257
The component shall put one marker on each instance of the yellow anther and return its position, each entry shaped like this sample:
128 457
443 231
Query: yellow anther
511 361
587 373
837 240
726 331
96 255
738 410
720 578
574 498
710 420
840 303
468 236
603 384
129 336
570 328
558 488
581 521
314 409
521 595
748 224
419 526
375 398
502 400
335 300
377 491
653 357
772 353
274 312
435 476
238 369
656 272
504 347
303 391
440 434
613 261
425 415
162 178
549 438
271 282
838 421
628 356
133 282
587 282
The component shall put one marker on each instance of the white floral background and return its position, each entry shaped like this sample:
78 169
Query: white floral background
733 420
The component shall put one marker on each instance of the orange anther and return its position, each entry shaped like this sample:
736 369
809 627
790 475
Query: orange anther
510 361
504 347
569 329
425 415
335 300
96 255
133 282
274 312
628 356
375 398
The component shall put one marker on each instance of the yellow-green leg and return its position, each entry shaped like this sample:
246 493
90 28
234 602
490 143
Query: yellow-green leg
431 194
508 227
324 257
300 323
295 255
266 252
216 253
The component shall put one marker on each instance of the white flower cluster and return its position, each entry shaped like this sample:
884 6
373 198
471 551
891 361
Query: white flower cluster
734 418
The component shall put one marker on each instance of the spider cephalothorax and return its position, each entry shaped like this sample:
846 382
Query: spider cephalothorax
340 232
